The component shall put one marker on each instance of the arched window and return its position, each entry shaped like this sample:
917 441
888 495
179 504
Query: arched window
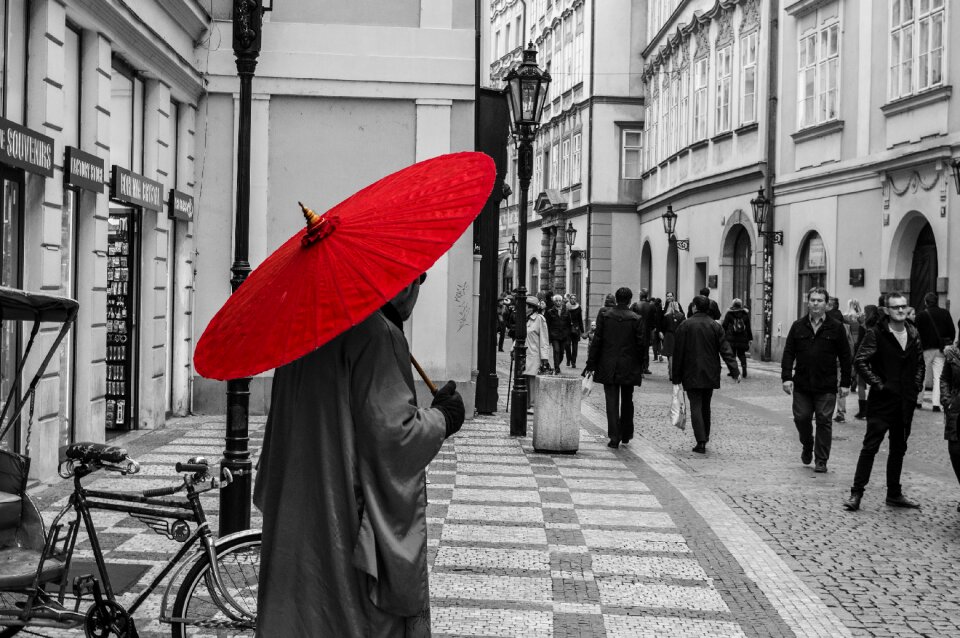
646 267
534 277
576 275
506 278
741 266
813 268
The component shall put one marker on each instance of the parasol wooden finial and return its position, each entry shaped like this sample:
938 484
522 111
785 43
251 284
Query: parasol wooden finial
312 218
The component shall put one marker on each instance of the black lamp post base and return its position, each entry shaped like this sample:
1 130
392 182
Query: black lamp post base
487 395
518 412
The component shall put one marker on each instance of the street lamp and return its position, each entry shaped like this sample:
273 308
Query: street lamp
571 234
235 497
526 91
761 210
955 165
669 226
512 244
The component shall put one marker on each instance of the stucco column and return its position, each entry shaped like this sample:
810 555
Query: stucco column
546 265
560 262
43 202
91 327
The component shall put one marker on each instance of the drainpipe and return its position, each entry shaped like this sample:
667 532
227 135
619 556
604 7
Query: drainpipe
593 40
770 158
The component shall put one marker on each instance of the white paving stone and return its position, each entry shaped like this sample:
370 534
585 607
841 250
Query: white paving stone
617 592
615 500
506 513
649 566
486 587
617 487
498 623
623 518
489 480
503 534
597 473
635 541
660 627
495 496
493 558
490 468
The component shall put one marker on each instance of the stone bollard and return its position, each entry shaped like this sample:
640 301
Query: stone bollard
556 417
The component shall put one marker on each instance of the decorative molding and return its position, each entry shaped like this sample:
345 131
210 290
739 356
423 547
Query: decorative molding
814 132
719 137
724 29
803 7
918 100
703 42
747 128
751 17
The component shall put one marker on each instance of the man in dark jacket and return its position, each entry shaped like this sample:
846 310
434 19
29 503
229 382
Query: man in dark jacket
713 312
576 330
614 359
699 344
890 359
558 323
815 345
950 399
644 307
935 326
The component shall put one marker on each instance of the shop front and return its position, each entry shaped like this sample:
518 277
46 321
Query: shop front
131 194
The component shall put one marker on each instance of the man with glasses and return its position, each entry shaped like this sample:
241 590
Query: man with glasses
814 346
890 360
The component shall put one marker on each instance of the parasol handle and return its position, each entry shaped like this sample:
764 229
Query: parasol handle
423 375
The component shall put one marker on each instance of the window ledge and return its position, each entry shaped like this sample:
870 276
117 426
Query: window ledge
719 137
910 102
699 144
818 130
803 7
747 128
677 155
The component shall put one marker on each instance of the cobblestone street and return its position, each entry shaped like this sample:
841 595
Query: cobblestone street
647 540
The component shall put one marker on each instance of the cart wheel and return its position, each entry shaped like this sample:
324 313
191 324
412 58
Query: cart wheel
108 619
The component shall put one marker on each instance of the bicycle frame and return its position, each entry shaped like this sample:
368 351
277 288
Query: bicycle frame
155 512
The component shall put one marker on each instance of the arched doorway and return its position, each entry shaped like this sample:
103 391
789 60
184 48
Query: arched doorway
672 270
576 275
742 268
534 277
646 267
812 270
924 268
506 276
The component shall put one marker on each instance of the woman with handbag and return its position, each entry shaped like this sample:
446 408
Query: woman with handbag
673 316
950 400
538 348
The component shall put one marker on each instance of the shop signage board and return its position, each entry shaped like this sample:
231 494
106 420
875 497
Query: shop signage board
83 170
134 189
26 149
180 206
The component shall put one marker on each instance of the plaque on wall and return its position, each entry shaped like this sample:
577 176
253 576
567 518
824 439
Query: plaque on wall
180 206
711 281
856 276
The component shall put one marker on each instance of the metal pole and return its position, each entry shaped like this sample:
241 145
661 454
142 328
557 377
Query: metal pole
518 411
235 498
771 150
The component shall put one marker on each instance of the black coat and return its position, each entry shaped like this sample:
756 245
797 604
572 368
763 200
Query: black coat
738 341
699 344
895 374
935 326
558 323
816 356
576 320
617 347
950 393
713 313
645 309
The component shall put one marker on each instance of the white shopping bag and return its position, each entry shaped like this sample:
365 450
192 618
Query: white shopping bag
586 385
678 409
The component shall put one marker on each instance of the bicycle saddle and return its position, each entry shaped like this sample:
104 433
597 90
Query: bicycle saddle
96 453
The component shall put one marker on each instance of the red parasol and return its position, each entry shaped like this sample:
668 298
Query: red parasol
344 265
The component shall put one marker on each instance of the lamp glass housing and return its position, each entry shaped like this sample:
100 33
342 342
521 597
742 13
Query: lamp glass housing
571 234
669 221
513 245
760 205
526 90
955 164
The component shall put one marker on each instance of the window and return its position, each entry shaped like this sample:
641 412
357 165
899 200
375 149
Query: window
538 173
630 159
748 78
507 42
916 46
565 164
653 130
519 32
568 53
576 275
670 103
813 268
578 47
554 160
724 80
575 159
558 58
496 46
700 70
818 77
683 112
534 277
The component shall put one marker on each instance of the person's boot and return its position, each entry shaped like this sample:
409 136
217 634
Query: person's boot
852 504
899 500
862 414
839 418
700 448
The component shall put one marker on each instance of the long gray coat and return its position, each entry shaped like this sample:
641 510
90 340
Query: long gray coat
341 485
950 393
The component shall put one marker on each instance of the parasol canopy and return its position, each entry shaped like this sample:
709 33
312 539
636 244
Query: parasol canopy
344 265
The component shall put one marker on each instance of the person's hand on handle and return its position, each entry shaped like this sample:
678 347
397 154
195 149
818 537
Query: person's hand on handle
450 403
788 387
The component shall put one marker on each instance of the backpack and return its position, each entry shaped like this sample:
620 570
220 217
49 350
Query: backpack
737 326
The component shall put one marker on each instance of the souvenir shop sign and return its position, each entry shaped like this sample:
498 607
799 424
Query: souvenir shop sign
180 206
130 188
83 170
26 149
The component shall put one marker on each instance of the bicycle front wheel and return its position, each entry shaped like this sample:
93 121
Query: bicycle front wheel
198 602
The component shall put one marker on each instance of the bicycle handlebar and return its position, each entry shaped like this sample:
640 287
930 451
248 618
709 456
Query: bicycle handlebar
192 467
162 491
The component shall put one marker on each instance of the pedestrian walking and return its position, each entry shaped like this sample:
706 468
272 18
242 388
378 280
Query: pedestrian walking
854 309
699 345
890 358
815 349
950 400
846 320
615 359
713 312
935 326
644 308
736 327
503 316
656 337
576 330
672 317
345 417
559 327
538 349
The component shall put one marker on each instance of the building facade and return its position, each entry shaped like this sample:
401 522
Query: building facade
586 171
864 192
98 108
344 94
706 148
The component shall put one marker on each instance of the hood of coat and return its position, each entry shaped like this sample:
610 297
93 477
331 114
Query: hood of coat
573 306
739 311
951 355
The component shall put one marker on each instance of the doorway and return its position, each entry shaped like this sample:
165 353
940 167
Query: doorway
742 269
646 267
924 268
11 274
672 267
123 320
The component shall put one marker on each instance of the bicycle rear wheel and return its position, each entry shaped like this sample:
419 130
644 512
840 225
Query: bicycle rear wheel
238 561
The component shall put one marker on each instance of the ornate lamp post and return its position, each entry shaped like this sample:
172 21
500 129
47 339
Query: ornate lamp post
570 234
761 209
235 498
955 165
670 225
526 92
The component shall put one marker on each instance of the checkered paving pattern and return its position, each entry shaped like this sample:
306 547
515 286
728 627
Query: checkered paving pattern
530 544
